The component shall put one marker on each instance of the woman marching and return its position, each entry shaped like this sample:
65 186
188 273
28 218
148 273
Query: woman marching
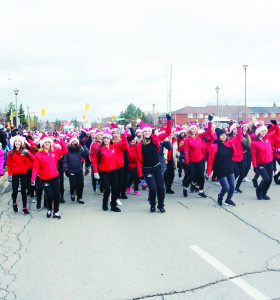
45 164
149 165
73 167
262 158
220 158
17 163
104 165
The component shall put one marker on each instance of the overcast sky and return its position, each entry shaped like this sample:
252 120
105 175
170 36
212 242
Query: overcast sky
62 54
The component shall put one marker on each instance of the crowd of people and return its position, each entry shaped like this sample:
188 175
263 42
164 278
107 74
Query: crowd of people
122 158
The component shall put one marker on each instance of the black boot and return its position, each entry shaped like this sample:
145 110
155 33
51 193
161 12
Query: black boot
15 207
105 205
62 197
168 190
276 178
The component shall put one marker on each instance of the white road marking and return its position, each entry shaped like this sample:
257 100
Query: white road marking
241 283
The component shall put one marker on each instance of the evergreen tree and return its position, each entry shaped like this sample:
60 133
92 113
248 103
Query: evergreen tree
48 127
132 113
22 117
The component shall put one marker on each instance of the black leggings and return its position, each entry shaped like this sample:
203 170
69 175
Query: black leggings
30 188
110 184
247 160
239 171
133 176
155 182
76 180
169 174
196 173
266 172
120 180
15 185
52 192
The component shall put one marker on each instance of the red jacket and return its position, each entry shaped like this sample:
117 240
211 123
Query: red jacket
194 148
119 154
132 154
156 139
108 161
17 163
46 163
261 150
92 150
276 147
236 140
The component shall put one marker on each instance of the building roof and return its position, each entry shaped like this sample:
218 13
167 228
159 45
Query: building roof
261 109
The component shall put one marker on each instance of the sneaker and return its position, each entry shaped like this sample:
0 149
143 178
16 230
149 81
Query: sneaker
169 191
118 202
94 190
152 209
123 196
25 211
62 201
265 197
137 193
98 184
15 208
217 182
245 179
220 200
86 172
193 188
49 213
132 183
72 197
128 190
229 203
115 209
33 199
161 210
201 195
237 190
101 193
259 195
39 207
185 192
80 201
105 205
255 183
57 216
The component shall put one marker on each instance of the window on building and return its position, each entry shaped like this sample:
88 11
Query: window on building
273 115
257 115
265 115
190 115
200 116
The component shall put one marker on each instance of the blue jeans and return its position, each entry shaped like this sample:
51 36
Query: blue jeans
228 185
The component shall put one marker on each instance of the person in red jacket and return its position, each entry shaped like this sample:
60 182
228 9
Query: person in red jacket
45 164
148 163
104 165
261 151
194 149
276 152
17 163
235 135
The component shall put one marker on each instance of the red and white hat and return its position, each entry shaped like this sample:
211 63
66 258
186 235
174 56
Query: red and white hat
244 124
107 134
179 129
146 127
193 125
17 137
231 128
72 140
260 128
114 127
98 131
45 139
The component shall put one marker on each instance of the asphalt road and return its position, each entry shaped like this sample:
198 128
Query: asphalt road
196 250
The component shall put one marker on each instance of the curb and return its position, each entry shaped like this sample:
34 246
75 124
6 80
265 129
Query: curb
3 178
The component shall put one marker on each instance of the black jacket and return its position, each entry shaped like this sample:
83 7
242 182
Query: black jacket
73 159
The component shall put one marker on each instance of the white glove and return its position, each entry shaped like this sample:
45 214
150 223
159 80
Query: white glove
96 176
25 151
121 128
177 154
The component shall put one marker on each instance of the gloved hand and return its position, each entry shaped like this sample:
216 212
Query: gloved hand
33 183
96 176
255 170
168 117
210 118
274 122
25 152
67 173
121 128
10 178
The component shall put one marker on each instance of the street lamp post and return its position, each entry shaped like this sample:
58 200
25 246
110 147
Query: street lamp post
217 89
16 93
245 67
154 115
28 118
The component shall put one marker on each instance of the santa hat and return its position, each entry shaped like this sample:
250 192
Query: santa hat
180 129
244 124
146 127
72 140
260 128
114 127
162 129
17 137
138 130
91 130
73 133
98 131
84 129
193 125
107 134
231 128
46 139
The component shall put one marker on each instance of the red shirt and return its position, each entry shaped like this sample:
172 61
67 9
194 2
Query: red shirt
18 163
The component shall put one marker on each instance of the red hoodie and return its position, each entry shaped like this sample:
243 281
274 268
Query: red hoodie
18 163
92 150
236 140
46 163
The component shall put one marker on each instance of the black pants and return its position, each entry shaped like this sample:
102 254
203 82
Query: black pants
30 188
169 174
125 178
110 184
239 171
87 161
196 174
15 185
61 179
247 160
39 191
94 181
133 176
266 172
52 192
155 182
76 181
120 180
